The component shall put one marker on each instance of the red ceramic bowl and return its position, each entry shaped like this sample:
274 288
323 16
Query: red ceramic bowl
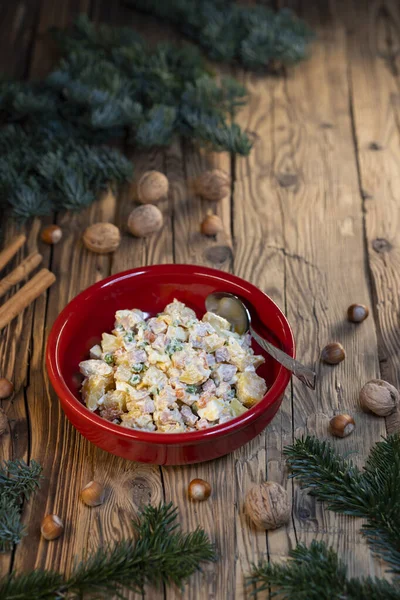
86 317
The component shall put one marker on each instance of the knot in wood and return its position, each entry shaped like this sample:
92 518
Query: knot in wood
286 180
218 254
141 491
375 146
381 245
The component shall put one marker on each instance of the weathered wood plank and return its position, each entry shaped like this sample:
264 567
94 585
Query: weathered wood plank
316 174
374 78
258 241
17 26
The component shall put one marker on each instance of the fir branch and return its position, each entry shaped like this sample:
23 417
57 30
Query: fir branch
372 493
255 36
316 573
161 554
107 85
18 481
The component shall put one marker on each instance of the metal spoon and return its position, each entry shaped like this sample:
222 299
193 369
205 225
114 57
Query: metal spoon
233 310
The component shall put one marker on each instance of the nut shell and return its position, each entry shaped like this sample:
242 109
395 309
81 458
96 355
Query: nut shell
211 225
51 234
379 397
333 353
145 220
152 187
268 505
6 388
199 490
52 527
356 313
213 185
102 238
342 425
3 422
93 494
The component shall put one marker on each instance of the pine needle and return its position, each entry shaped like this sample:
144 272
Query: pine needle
107 86
253 36
316 573
18 481
160 554
373 494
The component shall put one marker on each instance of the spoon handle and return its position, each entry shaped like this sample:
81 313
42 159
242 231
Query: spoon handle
303 373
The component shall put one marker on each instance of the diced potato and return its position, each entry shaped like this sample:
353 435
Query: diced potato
195 373
127 388
216 321
123 373
213 342
250 388
177 333
95 352
95 367
128 318
115 398
158 357
212 410
93 389
257 360
154 376
237 408
110 343
237 356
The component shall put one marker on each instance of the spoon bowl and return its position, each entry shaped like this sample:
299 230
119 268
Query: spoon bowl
231 308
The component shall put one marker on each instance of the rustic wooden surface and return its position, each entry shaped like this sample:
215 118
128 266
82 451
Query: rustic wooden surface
313 221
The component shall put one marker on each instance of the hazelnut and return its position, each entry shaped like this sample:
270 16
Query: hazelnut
152 187
199 490
145 220
101 238
342 425
93 494
356 313
379 397
6 388
52 527
268 505
51 234
211 225
333 353
213 185
3 422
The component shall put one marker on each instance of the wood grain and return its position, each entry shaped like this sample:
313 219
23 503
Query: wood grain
374 79
315 169
312 221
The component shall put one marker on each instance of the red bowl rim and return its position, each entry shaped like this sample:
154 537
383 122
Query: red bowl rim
66 396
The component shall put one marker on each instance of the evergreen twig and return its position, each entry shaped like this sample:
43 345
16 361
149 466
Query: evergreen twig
253 36
161 554
18 481
373 493
107 86
316 573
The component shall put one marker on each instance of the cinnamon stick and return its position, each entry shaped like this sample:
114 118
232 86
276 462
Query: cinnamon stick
22 271
12 248
27 294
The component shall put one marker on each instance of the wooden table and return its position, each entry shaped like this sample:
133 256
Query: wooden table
313 221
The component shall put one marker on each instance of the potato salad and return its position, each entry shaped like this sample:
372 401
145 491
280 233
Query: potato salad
171 373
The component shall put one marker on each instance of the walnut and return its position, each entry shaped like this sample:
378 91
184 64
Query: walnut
267 505
152 187
3 422
213 185
102 238
145 220
379 397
